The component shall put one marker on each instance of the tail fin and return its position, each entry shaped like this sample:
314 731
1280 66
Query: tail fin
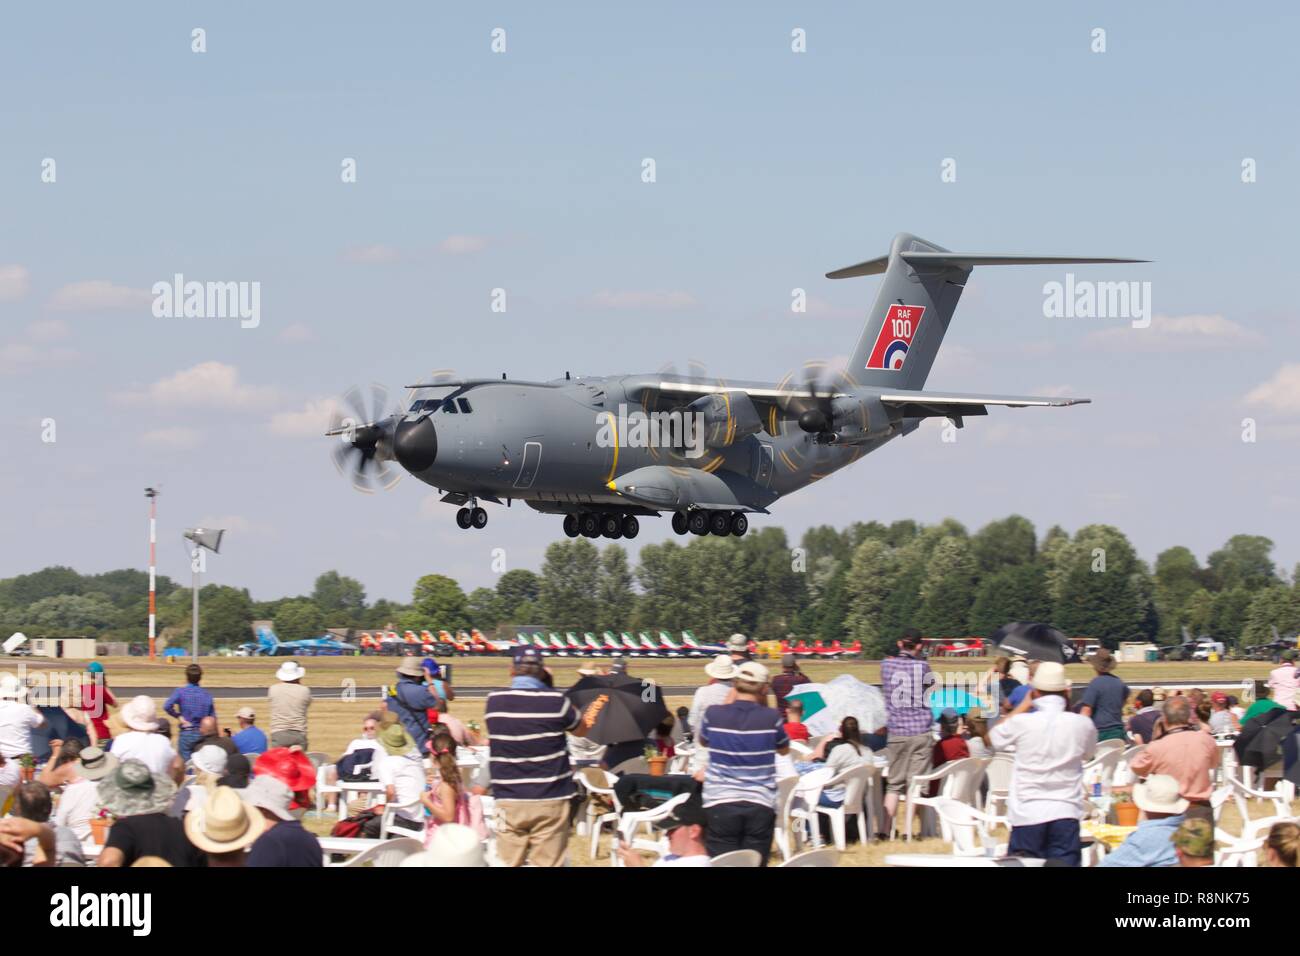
266 638
922 285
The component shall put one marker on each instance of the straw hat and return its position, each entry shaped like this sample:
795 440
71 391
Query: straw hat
1050 678
1158 793
290 671
721 668
410 667
139 713
451 845
131 790
223 823
96 764
395 740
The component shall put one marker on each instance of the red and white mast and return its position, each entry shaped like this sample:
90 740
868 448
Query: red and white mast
152 495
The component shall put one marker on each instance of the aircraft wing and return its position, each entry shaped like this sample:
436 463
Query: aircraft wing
920 404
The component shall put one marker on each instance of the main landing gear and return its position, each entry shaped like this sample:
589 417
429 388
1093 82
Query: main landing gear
609 525
720 523
475 517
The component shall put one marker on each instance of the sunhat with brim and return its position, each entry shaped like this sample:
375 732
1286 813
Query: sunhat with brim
131 790
269 794
410 667
1049 678
290 767
1158 793
96 764
395 740
1194 837
223 823
452 844
11 688
290 671
210 759
738 642
721 668
139 714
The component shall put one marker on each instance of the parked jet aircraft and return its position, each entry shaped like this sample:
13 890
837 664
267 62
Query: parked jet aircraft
268 645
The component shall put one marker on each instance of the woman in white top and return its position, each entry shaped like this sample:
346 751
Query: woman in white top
841 753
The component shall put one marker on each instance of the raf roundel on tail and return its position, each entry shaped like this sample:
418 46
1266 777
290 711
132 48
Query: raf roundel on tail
895 338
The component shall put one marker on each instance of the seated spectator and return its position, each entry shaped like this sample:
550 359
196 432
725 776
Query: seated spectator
951 745
32 801
974 729
1187 755
284 841
238 772
662 738
138 801
1143 721
1222 720
142 740
361 759
249 739
403 778
1194 843
223 827
79 802
794 727
209 763
685 828
1149 845
292 768
841 752
210 735
452 846
1282 846
1262 704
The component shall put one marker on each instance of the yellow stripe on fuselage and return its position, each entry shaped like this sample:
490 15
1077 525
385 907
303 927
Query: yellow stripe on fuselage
613 468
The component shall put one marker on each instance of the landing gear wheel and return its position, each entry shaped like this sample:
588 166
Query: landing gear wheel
478 517
463 518
571 525
680 524
739 524
611 526
589 525
720 523
698 522
631 527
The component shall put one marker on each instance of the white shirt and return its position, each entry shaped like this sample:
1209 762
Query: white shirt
699 859
405 774
17 720
1050 746
153 750
77 804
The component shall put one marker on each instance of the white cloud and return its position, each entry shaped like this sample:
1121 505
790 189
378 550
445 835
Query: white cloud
1281 393
640 300
297 334
462 245
97 294
822 309
14 282
48 330
1177 333
206 385
372 254
310 421
37 351
179 438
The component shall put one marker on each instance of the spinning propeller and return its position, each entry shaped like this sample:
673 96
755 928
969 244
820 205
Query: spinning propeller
364 421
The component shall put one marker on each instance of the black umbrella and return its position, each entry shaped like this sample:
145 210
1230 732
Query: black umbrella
623 708
1036 642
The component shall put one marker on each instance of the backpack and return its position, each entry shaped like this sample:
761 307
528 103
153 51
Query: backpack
355 766
364 825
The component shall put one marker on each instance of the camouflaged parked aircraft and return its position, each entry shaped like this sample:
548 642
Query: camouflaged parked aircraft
603 452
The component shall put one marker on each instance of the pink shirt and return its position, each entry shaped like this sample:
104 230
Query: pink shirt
1284 683
1188 756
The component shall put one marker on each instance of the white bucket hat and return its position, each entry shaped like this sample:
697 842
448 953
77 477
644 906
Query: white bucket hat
139 714
738 643
11 688
1158 793
290 671
270 794
1050 678
721 668
210 759
451 845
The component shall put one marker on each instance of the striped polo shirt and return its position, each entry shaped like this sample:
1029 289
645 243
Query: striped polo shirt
742 738
528 755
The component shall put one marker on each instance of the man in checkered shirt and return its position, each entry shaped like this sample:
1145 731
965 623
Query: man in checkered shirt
906 679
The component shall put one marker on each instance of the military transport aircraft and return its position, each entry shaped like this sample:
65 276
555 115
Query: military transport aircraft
604 452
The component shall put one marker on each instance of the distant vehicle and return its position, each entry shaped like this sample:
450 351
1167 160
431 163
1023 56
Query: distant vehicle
1205 648
268 645
22 651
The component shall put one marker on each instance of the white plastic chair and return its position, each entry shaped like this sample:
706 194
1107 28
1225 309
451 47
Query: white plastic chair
785 791
742 858
390 814
1281 797
959 780
323 788
801 749
631 821
825 856
970 830
389 853
1239 852
854 781
1103 764
998 773
595 819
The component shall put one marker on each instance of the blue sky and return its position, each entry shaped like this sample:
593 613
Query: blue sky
522 171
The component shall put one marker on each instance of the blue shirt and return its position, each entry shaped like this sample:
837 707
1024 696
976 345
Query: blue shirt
286 844
1148 845
1016 696
411 702
528 754
250 740
743 738
190 703
1106 695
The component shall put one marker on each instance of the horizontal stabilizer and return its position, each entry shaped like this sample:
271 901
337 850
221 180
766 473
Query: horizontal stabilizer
958 260
918 404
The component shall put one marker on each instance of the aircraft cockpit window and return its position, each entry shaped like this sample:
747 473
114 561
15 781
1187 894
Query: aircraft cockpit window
464 405
449 407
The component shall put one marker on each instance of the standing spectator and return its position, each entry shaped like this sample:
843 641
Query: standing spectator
411 701
289 701
532 783
744 738
1222 720
906 678
223 827
249 739
1103 700
439 687
446 800
1283 682
401 772
143 742
96 699
1186 754
138 801
1194 843
794 728
1051 745
721 672
1149 845
738 648
1282 846
951 745
1141 724
1263 703
17 721
998 681
789 678
189 704
284 842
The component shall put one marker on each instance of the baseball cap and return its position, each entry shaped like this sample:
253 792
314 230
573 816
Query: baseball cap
432 666
1219 697
687 813
752 672
247 713
1195 838
526 655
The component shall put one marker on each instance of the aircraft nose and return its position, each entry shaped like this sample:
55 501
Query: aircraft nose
415 444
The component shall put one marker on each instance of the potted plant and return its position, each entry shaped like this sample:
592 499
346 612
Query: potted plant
99 827
1126 811
26 768
656 760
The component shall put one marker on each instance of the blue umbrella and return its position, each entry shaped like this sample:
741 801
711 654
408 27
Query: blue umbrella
955 698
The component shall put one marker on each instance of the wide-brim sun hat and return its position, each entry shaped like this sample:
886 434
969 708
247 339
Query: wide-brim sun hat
140 713
96 764
210 758
395 740
224 823
269 794
1158 793
1049 678
290 671
290 767
452 844
410 667
721 667
131 790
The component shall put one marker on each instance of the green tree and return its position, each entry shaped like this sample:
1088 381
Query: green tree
1004 543
1178 576
771 592
225 616
1275 607
902 607
570 572
484 608
339 597
1016 593
1245 561
867 584
614 598
68 615
296 620
49 582
515 588
665 587
948 589
1097 587
1230 615
437 603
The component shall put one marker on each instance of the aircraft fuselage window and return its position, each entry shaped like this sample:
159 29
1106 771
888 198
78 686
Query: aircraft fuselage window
449 407
464 405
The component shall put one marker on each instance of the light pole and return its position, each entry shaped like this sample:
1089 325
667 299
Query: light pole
152 495
209 538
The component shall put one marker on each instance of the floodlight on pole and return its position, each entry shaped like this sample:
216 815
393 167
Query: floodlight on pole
209 538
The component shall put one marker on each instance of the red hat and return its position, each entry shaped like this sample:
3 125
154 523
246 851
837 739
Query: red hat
290 767
1219 697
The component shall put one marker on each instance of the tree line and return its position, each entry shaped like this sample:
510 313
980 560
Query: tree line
865 582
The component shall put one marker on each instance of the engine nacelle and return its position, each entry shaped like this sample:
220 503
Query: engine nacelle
727 417
863 418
